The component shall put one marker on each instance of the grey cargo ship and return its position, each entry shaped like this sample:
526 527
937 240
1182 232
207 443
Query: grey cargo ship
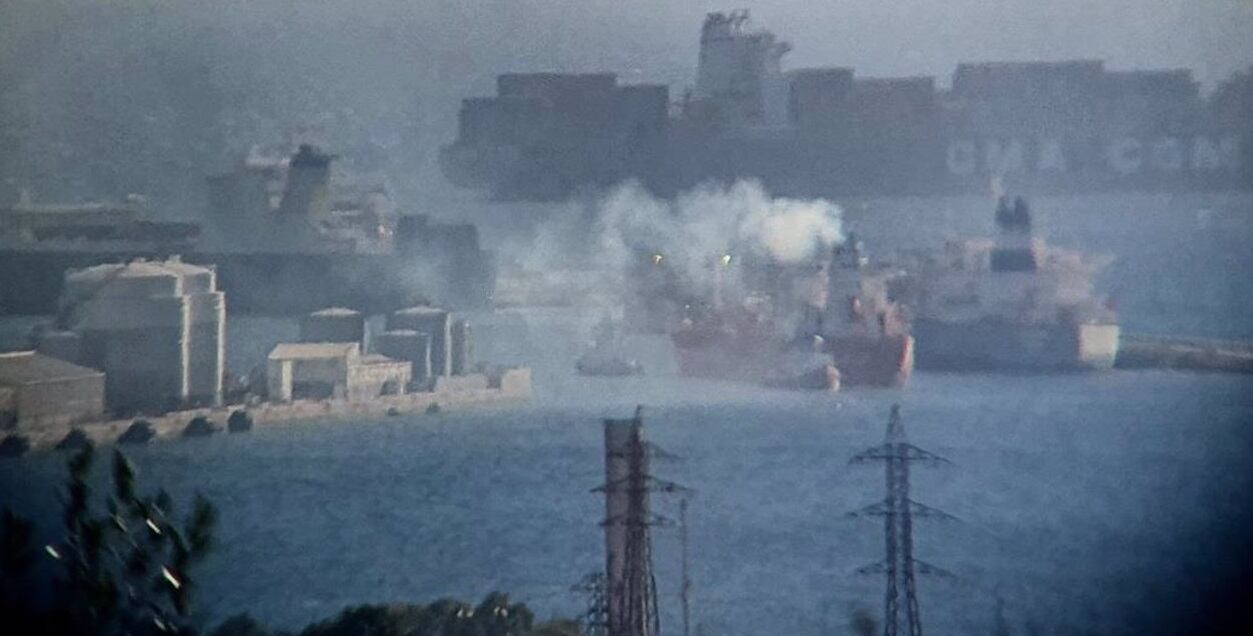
1034 127
282 233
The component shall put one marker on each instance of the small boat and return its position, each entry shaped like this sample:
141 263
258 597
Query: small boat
813 372
605 356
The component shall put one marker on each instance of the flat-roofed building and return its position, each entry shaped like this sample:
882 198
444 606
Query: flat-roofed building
38 390
332 370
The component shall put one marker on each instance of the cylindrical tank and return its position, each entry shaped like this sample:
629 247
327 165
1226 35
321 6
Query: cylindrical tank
62 345
196 279
137 279
156 328
408 345
435 323
462 348
141 344
142 279
206 347
334 324
308 181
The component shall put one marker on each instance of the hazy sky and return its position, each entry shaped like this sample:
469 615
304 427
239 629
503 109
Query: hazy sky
879 37
112 95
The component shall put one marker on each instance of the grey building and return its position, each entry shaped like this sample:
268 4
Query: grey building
38 390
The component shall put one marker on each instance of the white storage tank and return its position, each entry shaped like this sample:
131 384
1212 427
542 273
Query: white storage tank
334 324
206 347
408 345
62 345
462 348
156 328
196 279
142 279
435 323
142 346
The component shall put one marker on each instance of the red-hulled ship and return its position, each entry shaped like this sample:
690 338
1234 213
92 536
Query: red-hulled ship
819 325
741 345
868 338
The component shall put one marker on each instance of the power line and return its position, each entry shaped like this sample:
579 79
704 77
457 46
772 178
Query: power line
898 512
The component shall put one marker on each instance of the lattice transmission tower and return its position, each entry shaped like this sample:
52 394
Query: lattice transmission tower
630 584
898 512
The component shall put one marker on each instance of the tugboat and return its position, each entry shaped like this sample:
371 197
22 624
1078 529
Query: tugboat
605 355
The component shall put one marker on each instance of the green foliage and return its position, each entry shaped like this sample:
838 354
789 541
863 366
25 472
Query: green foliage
563 627
14 445
123 571
239 421
139 432
241 625
200 426
494 616
76 439
17 555
126 571
863 622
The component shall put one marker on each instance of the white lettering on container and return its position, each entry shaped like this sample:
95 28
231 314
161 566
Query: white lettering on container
961 158
1168 154
1125 156
1052 158
1002 158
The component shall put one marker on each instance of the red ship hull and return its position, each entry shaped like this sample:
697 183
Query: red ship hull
860 361
867 361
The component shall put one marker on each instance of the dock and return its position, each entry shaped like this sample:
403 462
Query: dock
514 387
1142 351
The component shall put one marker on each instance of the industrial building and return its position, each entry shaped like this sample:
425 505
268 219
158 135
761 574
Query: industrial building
333 324
39 390
155 328
434 340
332 370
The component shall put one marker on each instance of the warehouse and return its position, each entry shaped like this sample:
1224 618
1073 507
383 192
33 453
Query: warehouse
38 390
332 370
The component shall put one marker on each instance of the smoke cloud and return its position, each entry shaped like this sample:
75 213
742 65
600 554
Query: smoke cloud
714 220
609 233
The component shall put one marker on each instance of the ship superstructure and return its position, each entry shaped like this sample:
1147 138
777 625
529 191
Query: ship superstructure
862 327
1012 302
1042 126
284 233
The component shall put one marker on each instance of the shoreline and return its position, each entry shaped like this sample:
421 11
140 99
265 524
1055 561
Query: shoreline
515 387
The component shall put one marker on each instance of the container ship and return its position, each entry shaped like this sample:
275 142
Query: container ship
814 325
1037 127
1011 303
283 236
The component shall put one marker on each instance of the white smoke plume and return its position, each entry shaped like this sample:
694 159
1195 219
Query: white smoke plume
712 220
611 232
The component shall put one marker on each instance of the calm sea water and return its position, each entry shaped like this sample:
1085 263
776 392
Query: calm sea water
1097 504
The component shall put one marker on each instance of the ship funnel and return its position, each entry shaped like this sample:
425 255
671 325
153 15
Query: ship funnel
1015 218
308 184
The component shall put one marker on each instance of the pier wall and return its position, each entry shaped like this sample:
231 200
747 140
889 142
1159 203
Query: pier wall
513 386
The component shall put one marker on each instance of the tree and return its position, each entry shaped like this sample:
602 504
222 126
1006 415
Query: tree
494 616
126 571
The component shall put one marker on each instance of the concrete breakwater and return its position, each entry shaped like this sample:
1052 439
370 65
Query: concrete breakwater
1190 354
514 385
